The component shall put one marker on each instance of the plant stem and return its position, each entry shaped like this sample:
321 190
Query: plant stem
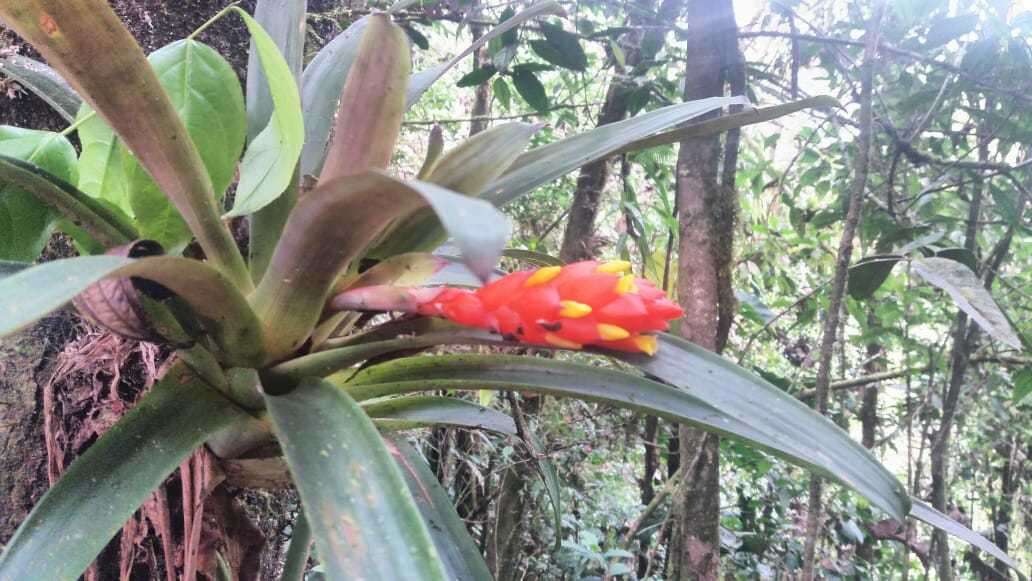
297 552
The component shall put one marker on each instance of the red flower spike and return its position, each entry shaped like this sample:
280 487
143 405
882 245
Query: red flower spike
581 304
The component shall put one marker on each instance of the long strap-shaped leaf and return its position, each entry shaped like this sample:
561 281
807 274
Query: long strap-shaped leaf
824 448
404 413
458 551
925 513
546 163
85 41
32 293
75 519
788 424
362 514
44 82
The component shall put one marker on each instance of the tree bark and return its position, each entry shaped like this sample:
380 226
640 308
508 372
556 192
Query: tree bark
639 50
706 221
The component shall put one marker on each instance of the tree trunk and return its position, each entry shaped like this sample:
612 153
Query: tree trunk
706 221
639 49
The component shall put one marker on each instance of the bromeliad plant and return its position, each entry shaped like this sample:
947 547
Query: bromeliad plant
267 346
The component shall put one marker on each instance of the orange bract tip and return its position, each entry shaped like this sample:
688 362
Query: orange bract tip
614 267
647 343
626 285
573 309
612 332
543 275
557 341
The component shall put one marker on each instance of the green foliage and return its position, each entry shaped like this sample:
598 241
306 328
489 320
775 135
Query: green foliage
25 221
373 506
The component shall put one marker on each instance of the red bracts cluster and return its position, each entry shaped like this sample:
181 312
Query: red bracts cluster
585 303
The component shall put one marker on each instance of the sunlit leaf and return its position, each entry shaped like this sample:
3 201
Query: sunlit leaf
270 159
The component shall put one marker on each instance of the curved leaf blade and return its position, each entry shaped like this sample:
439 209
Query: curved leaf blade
965 288
707 392
105 225
404 413
25 221
544 164
459 554
284 21
867 275
269 161
787 425
926 514
75 519
44 82
362 514
334 223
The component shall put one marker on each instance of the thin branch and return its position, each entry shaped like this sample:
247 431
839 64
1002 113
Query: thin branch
845 252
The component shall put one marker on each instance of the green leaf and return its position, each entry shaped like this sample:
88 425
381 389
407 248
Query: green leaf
459 553
966 290
709 392
925 513
787 425
30 294
501 91
531 89
102 172
97 221
25 221
403 413
465 169
560 48
544 164
206 95
868 274
268 165
477 77
1022 385
362 514
284 21
44 82
93 50
423 80
321 85
75 519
